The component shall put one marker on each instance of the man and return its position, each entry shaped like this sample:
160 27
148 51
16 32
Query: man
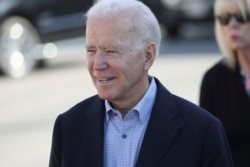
134 121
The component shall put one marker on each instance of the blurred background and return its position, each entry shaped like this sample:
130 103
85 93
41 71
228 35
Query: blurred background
43 72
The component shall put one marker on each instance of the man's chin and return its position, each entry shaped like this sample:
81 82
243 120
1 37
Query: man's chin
104 96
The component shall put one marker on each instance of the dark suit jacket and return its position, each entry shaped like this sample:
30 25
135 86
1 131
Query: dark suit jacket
179 134
223 94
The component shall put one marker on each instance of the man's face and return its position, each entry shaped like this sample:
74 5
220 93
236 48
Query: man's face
118 69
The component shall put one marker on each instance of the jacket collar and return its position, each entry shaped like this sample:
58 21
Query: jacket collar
163 126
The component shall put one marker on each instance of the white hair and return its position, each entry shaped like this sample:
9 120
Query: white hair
219 8
132 14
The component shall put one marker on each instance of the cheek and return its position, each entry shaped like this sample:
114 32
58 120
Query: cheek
139 62
226 32
246 34
90 64
134 63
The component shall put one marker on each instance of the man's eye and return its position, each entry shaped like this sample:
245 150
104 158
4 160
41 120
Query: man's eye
91 51
111 51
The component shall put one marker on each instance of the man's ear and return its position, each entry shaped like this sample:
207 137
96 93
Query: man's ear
150 53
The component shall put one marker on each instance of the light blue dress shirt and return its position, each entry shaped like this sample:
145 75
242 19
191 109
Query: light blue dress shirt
123 137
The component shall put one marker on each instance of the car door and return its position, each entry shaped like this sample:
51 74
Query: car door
61 17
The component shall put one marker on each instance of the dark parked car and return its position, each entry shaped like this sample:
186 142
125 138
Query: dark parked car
173 13
28 28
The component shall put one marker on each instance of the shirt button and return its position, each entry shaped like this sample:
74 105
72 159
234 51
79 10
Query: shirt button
124 136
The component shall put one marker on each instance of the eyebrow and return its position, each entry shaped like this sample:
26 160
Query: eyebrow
115 47
88 46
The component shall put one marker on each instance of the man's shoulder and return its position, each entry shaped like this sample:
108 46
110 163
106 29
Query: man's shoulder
84 107
179 107
193 114
188 105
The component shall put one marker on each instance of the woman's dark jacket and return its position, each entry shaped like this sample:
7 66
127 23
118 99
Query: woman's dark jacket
223 94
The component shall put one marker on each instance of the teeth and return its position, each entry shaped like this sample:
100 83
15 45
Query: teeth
103 80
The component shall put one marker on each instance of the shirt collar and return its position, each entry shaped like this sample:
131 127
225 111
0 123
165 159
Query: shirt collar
144 106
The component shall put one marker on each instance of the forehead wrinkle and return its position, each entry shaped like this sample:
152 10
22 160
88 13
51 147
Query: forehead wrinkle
107 43
112 32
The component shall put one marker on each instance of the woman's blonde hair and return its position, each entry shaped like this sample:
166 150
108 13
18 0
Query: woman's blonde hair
219 9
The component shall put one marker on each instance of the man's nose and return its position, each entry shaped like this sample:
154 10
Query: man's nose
100 61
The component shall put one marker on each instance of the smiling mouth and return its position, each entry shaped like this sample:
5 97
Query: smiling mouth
104 80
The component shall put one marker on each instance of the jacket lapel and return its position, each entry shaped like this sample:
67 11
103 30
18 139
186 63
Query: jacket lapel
163 126
93 134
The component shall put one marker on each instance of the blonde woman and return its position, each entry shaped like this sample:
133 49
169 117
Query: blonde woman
225 88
